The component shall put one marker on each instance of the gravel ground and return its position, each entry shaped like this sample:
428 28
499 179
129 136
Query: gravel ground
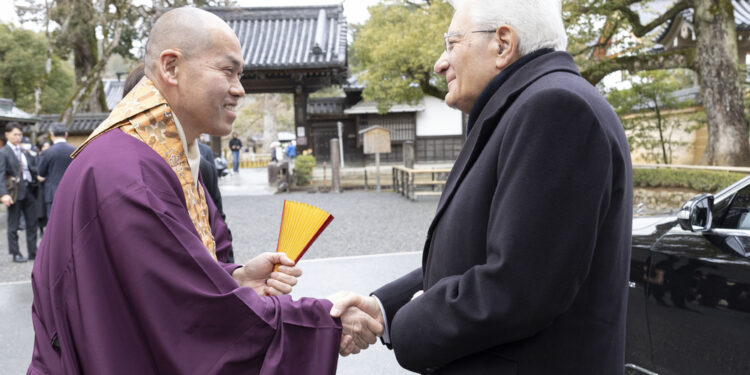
364 223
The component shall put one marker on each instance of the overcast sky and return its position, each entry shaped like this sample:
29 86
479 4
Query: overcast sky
355 10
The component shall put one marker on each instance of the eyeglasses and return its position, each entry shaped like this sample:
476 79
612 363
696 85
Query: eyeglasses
449 44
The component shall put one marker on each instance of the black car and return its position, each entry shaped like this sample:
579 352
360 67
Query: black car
689 307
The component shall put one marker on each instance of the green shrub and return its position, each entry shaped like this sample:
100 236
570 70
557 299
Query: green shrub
303 166
699 180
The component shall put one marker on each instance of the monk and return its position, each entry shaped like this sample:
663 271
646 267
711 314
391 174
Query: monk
132 276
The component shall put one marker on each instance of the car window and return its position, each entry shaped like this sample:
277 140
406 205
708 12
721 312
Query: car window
738 214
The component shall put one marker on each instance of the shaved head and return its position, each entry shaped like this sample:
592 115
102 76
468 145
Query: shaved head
188 30
194 59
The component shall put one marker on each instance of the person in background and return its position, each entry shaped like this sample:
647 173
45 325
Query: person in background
272 150
54 162
210 177
291 150
18 173
135 76
43 144
236 146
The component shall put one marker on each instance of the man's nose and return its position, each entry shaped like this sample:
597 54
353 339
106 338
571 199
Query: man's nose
442 64
236 88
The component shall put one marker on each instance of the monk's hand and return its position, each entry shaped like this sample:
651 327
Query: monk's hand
361 319
259 274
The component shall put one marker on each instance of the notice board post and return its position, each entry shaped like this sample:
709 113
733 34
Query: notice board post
376 139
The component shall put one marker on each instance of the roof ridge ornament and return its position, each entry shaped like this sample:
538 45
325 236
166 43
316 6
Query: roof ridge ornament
320 34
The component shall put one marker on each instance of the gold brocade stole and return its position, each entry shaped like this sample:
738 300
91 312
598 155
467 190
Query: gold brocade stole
157 129
145 115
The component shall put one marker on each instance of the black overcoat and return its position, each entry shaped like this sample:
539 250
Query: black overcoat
55 160
525 265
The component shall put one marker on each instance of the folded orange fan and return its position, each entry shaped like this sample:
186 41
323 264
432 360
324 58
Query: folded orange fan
301 224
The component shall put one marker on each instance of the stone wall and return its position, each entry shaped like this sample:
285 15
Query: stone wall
660 200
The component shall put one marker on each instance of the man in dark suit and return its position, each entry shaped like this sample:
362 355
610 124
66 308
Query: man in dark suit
54 162
15 162
210 177
525 266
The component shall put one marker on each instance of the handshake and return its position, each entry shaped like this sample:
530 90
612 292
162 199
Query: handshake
361 317
361 320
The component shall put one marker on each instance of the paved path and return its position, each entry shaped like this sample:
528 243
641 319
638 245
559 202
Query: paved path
373 239
322 277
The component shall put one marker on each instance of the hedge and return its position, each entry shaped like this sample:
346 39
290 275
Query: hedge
303 166
699 180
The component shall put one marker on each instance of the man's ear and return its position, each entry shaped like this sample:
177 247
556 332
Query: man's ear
506 41
168 66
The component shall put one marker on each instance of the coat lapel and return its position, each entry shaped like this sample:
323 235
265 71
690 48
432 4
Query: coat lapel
488 120
14 160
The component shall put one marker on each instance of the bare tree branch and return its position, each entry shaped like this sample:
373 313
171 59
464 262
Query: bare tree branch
431 90
639 29
681 58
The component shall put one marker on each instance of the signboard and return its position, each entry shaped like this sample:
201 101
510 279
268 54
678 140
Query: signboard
376 140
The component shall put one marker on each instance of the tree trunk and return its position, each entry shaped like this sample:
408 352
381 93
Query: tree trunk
661 131
720 84
89 65
47 63
270 128
85 58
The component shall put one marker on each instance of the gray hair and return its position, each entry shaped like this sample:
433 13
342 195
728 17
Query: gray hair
538 23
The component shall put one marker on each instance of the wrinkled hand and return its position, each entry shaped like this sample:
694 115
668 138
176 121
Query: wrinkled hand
259 274
361 319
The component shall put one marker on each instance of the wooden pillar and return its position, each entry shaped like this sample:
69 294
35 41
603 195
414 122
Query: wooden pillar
301 128
409 154
335 166
377 169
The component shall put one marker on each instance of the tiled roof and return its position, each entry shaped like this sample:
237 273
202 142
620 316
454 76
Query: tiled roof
325 106
741 18
364 107
742 14
10 112
289 37
113 92
82 123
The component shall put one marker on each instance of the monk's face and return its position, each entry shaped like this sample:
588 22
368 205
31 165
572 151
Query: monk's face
209 85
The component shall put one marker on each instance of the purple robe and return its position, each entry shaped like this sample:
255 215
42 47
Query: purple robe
123 284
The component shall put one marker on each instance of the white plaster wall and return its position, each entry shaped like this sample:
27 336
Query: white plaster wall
438 119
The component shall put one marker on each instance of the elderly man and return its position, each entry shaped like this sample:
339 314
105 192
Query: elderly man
131 277
525 264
